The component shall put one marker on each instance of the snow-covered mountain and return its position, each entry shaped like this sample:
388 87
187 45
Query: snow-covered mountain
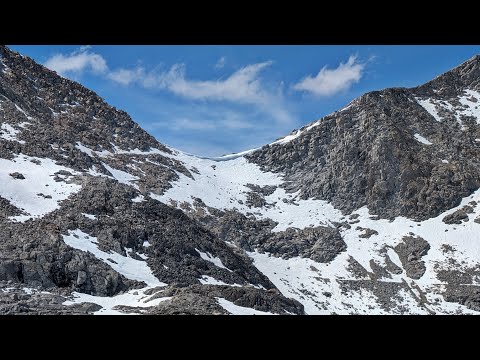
369 210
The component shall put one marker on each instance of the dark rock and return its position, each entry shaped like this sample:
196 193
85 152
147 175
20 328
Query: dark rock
17 175
410 251
458 216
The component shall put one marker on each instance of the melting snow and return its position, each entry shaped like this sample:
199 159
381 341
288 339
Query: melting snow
122 176
138 199
222 185
134 298
215 260
8 132
130 268
470 106
24 194
429 105
421 139
208 280
239 310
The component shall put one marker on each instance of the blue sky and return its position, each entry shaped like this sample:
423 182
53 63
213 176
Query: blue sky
215 100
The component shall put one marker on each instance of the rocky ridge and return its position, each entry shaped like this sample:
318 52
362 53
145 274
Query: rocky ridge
371 209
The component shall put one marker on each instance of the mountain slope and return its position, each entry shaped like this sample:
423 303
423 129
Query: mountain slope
74 220
372 209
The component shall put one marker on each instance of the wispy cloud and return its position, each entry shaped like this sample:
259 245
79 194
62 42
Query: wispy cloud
221 63
244 86
127 76
331 81
77 62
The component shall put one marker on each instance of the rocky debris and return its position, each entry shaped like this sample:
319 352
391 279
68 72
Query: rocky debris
17 300
35 255
255 200
17 175
367 232
446 248
410 251
256 197
356 269
379 271
321 244
63 112
342 224
386 293
458 216
365 155
454 276
197 299
468 295
7 209
264 190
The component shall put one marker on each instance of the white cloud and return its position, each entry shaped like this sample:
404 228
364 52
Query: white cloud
221 63
244 86
331 81
126 76
77 62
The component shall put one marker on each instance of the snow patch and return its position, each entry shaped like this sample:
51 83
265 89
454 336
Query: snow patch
8 132
130 268
133 298
421 139
122 176
37 194
213 259
239 310
223 185
138 199
208 280
429 105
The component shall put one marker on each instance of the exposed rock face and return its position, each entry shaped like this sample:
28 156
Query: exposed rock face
320 244
261 300
465 295
367 154
17 300
458 216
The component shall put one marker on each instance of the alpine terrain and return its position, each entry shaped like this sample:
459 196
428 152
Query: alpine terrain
374 209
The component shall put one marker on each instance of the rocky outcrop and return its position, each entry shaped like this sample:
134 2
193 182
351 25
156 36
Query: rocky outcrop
203 300
367 154
458 216
410 251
